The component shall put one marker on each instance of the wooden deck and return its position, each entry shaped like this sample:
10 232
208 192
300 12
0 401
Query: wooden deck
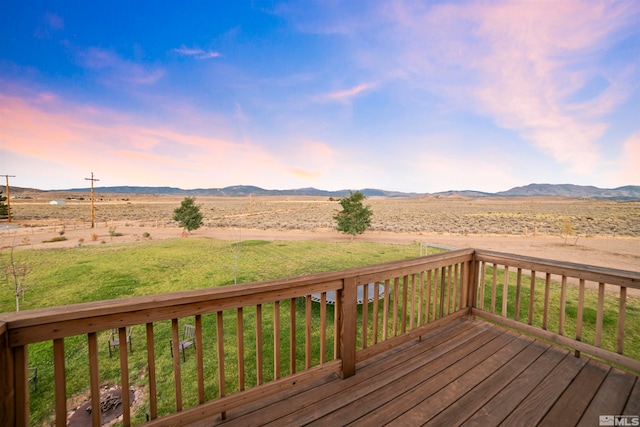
465 373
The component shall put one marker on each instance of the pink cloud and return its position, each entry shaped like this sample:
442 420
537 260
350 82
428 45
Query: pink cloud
123 149
518 62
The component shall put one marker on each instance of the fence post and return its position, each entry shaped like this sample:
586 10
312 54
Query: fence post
348 318
7 387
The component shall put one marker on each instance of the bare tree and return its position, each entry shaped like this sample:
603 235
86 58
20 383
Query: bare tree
16 273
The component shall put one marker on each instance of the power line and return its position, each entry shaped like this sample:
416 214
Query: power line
8 197
93 212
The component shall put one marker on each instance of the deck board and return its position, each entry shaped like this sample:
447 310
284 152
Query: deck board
465 373
568 409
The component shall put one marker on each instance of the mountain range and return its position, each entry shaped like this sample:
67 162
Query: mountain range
629 192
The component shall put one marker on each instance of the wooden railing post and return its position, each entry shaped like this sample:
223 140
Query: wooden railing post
7 385
471 283
21 385
348 315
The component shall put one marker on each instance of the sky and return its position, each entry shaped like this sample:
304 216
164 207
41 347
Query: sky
413 96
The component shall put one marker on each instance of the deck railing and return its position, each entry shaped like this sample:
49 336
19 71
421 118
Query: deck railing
255 339
578 306
277 334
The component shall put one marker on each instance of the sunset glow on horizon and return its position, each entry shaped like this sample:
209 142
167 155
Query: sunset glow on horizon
408 96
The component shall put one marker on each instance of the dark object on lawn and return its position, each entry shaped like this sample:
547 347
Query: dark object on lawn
110 408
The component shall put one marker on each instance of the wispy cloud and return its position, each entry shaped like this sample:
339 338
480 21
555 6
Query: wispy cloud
196 52
113 68
345 95
51 23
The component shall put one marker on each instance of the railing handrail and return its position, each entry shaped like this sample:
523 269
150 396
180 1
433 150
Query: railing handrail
628 278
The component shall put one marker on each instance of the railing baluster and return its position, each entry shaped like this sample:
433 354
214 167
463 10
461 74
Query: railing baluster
436 275
448 289
580 314
385 311
124 377
220 342
276 340
545 314
151 364
532 294
240 337
413 301
292 336
563 305
621 319
427 307
420 312
443 287
405 292
505 291
456 283
199 358
337 308
518 290
323 327
483 272
175 342
259 360
396 283
307 338
494 285
599 315
60 381
365 314
376 309
94 377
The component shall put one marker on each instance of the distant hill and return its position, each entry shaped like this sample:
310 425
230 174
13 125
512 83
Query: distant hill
570 190
236 191
629 192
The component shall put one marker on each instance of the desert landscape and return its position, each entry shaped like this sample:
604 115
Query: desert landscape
601 232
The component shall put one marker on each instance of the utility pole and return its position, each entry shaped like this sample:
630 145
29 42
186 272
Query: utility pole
93 211
8 197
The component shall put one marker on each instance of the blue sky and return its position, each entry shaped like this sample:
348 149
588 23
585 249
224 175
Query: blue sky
400 95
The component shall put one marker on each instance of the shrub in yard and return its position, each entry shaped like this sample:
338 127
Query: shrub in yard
55 239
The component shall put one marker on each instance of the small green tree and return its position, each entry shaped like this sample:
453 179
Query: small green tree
354 218
188 215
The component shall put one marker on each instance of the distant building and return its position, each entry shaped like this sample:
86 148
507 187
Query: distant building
58 202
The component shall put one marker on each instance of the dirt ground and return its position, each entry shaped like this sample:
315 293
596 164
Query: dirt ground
619 253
